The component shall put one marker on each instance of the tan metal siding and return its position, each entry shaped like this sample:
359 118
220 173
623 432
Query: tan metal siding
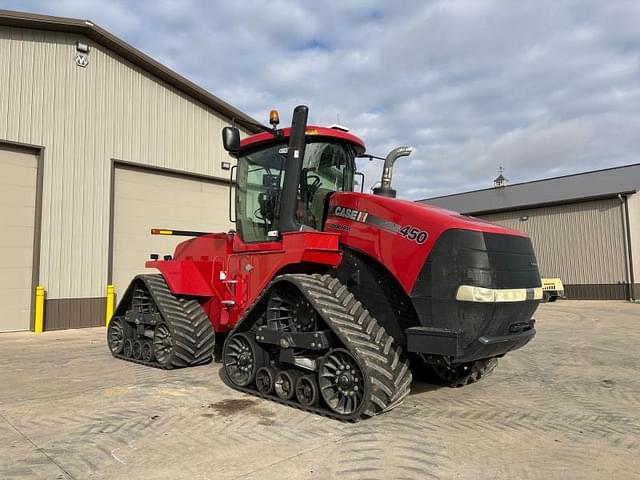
18 173
84 117
582 243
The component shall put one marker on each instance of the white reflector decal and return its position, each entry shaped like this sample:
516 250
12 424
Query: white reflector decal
467 293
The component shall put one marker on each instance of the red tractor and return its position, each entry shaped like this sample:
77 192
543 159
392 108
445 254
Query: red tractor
325 298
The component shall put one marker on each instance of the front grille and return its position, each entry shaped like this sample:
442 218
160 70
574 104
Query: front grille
464 257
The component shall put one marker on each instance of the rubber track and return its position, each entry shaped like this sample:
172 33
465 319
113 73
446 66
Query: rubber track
192 332
380 358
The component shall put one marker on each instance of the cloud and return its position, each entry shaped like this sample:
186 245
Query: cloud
541 88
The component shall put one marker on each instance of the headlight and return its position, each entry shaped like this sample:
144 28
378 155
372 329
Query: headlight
467 293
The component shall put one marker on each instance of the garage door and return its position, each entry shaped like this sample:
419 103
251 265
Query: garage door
145 200
18 171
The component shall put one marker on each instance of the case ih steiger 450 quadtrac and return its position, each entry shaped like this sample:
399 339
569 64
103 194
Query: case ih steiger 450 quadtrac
325 298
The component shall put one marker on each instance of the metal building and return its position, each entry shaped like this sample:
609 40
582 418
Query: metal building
98 143
585 228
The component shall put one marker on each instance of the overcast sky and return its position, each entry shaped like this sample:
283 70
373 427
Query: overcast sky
543 88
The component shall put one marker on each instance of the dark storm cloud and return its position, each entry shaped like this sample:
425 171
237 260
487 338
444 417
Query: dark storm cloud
542 88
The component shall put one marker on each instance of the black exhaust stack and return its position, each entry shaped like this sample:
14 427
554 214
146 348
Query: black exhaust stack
289 197
387 171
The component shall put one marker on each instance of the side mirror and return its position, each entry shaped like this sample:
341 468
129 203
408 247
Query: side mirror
231 139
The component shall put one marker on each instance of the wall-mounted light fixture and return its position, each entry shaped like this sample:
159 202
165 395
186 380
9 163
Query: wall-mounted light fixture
82 47
524 218
226 165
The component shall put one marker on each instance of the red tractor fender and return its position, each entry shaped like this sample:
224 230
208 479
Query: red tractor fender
229 276
186 277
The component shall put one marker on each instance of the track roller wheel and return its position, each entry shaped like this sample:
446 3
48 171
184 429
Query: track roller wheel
285 384
266 379
137 349
115 335
341 382
128 348
147 351
307 391
242 357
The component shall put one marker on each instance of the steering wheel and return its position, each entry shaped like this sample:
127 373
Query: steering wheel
266 210
311 188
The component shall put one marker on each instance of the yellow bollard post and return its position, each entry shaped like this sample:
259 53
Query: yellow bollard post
39 320
111 295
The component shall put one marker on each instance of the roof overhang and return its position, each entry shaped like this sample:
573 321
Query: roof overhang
547 204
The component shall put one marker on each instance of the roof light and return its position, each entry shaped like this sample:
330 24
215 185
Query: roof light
342 128
274 118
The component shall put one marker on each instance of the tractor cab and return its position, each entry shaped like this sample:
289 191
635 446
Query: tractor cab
320 163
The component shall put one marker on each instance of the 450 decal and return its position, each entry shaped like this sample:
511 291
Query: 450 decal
414 234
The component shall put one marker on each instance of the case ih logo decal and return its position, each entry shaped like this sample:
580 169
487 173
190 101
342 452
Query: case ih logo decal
349 213
409 232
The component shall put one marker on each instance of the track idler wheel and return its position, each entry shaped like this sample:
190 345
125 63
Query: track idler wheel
285 385
115 335
163 344
307 391
266 379
341 382
242 357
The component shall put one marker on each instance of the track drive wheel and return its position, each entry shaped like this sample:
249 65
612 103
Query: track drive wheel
289 311
242 357
464 374
341 380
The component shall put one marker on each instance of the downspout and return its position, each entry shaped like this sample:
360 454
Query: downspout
632 281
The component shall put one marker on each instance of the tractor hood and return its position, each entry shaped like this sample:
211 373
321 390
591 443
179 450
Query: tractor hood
399 234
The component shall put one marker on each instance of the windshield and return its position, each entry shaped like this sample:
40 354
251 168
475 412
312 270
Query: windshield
326 168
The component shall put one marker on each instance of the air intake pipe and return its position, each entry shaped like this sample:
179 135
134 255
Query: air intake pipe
387 171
